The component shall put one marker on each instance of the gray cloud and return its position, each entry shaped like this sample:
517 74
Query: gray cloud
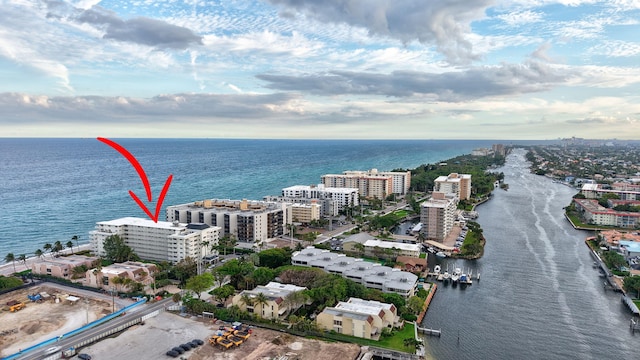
443 23
474 83
140 30
17 107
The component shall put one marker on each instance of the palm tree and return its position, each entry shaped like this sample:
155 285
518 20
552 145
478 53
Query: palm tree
246 299
262 300
11 258
69 245
23 259
57 247
76 238
39 253
47 247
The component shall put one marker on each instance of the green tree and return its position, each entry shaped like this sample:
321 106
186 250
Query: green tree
200 283
246 299
411 343
76 238
262 275
39 253
273 258
11 258
222 293
359 247
78 271
185 269
260 300
117 251
57 247
632 284
415 304
69 245
236 270
47 247
23 259
226 242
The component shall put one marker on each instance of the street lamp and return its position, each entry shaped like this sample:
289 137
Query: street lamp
113 299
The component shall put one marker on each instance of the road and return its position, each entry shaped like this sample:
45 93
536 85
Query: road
66 343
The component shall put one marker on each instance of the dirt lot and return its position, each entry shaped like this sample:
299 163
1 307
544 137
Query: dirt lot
42 321
159 334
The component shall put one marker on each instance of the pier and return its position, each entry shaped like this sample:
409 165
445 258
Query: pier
634 325
431 332
631 305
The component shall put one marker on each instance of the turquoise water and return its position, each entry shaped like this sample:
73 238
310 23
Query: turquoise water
53 189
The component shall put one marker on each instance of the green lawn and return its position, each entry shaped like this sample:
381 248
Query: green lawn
395 342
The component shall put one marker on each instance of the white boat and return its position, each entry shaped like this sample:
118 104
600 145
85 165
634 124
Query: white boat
431 249
436 270
440 254
456 275
446 276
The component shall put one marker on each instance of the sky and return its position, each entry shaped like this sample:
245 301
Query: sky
330 69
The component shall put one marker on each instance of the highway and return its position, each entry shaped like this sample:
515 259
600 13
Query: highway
66 343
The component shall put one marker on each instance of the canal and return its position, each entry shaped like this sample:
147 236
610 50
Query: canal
539 296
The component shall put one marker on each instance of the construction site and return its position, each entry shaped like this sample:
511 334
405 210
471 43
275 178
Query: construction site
43 312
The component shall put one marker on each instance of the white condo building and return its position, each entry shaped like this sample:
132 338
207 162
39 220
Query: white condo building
438 215
161 241
459 184
342 196
247 221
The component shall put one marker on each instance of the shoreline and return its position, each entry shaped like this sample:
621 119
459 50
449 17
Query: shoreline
6 269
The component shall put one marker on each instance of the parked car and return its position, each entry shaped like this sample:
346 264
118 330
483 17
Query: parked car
84 356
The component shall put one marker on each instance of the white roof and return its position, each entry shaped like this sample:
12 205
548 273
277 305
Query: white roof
391 245
141 222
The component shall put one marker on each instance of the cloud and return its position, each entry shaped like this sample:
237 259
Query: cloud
473 83
444 24
140 30
163 108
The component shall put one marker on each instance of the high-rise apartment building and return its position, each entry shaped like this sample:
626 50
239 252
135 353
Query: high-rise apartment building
371 183
247 221
343 196
458 184
161 241
437 216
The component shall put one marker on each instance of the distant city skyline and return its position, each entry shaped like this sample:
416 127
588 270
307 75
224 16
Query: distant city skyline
332 69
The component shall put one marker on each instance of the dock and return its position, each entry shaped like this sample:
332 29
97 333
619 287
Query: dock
431 332
631 305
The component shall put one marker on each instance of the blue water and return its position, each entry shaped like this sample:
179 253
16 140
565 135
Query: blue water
53 189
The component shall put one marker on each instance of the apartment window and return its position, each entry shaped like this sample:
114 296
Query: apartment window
337 322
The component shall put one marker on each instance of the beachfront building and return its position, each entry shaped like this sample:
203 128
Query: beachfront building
342 197
358 317
438 215
248 221
62 266
135 272
372 183
305 213
459 184
327 207
273 295
591 212
161 241
370 275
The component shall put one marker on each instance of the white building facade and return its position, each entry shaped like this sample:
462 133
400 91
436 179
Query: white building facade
459 184
161 241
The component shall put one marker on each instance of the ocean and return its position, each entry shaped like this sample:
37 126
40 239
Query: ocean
54 189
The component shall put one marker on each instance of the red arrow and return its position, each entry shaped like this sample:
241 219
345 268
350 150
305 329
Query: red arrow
145 181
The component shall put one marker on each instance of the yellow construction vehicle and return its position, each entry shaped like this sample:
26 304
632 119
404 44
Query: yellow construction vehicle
16 307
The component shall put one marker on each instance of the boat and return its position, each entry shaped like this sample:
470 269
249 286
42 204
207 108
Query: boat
440 254
455 277
431 249
446 277
436 270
